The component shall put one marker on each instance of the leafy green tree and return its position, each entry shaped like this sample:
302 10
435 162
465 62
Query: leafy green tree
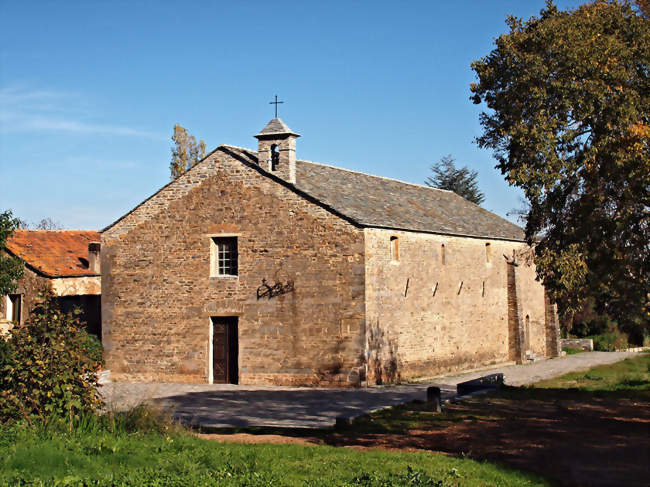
185 152
51 368
569 124
461 181
11 268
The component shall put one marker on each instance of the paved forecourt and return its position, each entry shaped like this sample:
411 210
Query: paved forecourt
227 406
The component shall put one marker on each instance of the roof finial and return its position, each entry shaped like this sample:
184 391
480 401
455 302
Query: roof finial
276 103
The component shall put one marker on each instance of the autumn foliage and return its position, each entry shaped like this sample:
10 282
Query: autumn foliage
568 95
186 152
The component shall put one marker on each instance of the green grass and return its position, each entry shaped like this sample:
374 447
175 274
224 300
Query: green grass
140 449
631 375
629 378
144 453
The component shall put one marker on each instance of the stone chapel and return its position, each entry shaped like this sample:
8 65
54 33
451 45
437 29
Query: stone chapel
256 267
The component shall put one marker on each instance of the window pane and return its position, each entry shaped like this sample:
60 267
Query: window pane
226 255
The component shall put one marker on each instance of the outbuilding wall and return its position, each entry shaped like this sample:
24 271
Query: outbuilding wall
158 295
71 292
29 287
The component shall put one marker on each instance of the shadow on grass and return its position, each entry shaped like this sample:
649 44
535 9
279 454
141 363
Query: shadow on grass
574 437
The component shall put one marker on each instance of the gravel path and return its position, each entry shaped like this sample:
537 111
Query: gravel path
291 407
519 375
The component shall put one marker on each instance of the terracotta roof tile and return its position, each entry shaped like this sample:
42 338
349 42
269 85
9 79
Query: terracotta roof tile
55 253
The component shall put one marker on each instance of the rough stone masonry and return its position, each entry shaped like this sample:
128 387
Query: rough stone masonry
258 268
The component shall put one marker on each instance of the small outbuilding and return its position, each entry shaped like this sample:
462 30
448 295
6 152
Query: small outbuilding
65 260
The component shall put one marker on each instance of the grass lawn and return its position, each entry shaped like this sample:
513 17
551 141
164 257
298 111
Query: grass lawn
631 376
95 456
561 429
629 379
584 428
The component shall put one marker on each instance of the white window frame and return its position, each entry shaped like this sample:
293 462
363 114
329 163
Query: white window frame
9 307
214 254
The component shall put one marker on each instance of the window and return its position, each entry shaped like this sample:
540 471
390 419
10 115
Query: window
13 307
394 249
224 256
275 157
488 252
442 254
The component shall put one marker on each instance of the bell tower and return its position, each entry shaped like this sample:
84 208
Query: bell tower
276 151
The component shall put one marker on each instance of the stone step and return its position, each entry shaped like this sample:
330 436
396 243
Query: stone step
532 357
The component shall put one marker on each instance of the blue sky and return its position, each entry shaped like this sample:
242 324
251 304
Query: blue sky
90 91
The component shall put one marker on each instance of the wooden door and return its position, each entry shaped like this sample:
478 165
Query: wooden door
225 350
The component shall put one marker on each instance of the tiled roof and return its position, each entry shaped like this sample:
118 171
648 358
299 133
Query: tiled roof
276 127
373 201
54 253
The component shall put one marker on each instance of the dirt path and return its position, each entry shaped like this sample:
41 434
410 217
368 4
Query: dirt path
251 439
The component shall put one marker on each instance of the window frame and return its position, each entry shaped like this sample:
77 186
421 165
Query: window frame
216 255
394 248
11 307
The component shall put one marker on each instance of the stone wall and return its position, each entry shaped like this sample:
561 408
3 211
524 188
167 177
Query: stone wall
77 286
158 295
532 302
426 317
586 344
29 287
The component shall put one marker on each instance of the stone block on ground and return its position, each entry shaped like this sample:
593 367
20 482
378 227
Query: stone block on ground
487 382
586 344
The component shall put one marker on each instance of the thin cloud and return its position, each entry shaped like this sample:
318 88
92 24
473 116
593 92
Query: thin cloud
23 110
109 164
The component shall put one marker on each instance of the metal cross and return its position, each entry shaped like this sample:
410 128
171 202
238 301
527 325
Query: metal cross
276 103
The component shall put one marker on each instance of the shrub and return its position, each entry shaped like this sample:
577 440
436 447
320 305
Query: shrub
596 325
93 347
143 418
6 352
51 367
610 342
587 323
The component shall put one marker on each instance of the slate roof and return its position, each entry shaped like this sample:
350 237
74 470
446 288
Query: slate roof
374 201
276 127
54 253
